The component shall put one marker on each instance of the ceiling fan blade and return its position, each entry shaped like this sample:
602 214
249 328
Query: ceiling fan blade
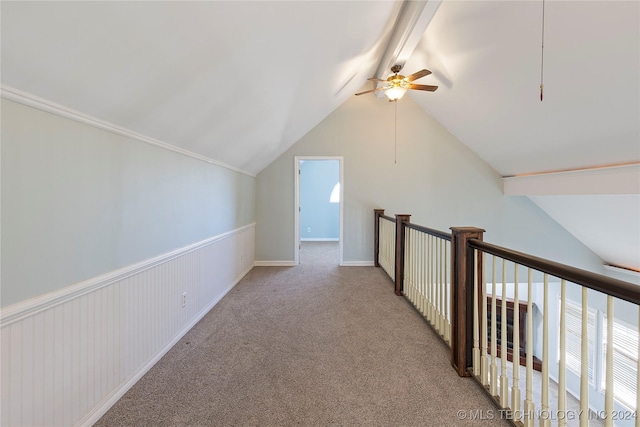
369 91
417 75
373 79
428 88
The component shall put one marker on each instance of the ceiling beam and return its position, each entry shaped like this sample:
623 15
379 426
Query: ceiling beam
412 22
624 179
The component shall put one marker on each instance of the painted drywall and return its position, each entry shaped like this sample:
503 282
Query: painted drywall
78 201
418 168
319 217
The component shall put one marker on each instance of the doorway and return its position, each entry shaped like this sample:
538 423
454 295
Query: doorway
318 209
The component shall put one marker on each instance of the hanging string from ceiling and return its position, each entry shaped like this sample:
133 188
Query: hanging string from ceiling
542 59
395 133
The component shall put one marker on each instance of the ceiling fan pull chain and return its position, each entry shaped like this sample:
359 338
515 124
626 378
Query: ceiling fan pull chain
395 133
542 59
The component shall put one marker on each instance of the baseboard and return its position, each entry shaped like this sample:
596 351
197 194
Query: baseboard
357 264
274 263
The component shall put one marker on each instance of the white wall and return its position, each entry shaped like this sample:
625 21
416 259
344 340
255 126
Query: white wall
78 201
436 179
112 249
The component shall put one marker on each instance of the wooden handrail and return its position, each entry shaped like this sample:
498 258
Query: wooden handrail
431 231
388 218
598 282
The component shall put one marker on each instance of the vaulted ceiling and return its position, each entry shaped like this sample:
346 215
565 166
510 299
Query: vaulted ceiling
240 82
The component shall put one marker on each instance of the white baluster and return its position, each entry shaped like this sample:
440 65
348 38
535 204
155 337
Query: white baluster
544 405
562 363
484 367
410 268
436 300
638 378
529 406
447 252
422 272
584 362
494 342
430 279
419 266
434 280
504 379
425 264
476 323
515 391
608 395
443 277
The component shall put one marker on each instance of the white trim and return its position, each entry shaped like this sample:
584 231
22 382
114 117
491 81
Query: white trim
357 264
30 100
320 239
275 263
622 270
93 417
23 309
296 204
623 179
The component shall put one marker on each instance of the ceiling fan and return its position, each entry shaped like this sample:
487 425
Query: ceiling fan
397 84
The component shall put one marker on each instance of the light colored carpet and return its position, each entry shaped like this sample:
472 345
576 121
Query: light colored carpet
312 345
320 253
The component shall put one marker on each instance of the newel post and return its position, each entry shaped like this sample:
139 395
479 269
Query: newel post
400 221
377 213
462 283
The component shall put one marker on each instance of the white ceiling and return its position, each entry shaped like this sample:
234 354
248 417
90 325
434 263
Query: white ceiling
235 81
240 82
486 57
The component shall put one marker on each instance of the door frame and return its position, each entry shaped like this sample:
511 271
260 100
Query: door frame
296 204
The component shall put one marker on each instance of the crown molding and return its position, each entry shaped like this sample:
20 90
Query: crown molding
31 100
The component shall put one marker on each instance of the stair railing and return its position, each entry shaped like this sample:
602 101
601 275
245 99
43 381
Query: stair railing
488 303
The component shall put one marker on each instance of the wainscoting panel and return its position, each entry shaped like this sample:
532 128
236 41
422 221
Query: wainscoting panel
68 356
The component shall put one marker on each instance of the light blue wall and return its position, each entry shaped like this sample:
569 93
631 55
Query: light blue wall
78 201
319 219
417 168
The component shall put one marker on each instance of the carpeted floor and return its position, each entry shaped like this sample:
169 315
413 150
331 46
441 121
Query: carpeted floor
312 345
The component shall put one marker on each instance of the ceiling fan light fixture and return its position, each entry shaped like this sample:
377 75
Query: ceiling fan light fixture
398 86
395 92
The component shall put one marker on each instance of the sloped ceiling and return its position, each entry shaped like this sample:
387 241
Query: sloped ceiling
236 81
487 58
240 82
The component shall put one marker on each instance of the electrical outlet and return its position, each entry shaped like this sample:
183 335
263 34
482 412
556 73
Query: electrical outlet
184 299
308 229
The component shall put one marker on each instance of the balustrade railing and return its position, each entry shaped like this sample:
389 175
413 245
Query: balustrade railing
385 236
524 327
427 275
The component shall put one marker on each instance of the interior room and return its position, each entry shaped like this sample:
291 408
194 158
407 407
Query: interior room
148 158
